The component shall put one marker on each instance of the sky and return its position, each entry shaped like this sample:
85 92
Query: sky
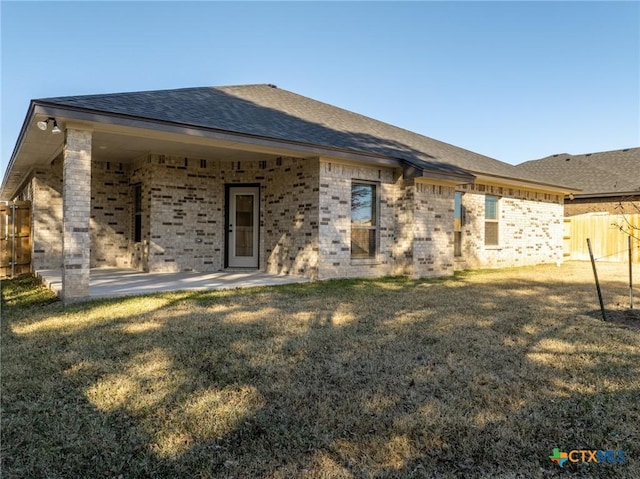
512 80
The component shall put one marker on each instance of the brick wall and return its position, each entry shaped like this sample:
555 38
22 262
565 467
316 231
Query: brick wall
416 226
76 214
186 212
433 230
45 193
335 221
110 215
403 228
530 228
141 173
110 225
305 219
290 217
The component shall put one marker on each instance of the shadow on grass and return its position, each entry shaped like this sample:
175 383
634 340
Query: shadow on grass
628 318
481 375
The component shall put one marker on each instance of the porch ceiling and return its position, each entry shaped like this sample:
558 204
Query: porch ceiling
122 148
41 147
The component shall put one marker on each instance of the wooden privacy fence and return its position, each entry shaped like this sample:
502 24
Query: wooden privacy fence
15 238
607 241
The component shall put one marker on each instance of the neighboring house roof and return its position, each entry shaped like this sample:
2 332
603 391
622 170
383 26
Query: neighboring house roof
268 112
608 173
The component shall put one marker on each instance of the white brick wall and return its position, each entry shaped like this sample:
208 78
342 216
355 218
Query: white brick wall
530 228
76 206
335 221
305 219
433 230
186 212
111 204
45 192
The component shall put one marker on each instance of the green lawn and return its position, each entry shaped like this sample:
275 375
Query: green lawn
480 375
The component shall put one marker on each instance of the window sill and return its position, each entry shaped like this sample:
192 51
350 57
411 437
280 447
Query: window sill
364 261
493 247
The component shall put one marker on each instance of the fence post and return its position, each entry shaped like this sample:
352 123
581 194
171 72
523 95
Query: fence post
595 274
630 273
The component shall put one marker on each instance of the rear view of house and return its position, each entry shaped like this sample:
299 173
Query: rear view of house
203 179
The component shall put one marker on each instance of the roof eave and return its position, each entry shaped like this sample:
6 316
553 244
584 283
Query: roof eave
411 171
525 183
93 118
31 112
615 194
120 119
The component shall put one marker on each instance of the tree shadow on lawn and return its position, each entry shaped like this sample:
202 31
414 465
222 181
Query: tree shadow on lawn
387 378
628 318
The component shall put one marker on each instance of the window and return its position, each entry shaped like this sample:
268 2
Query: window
458 221
137 213
491 221
364 221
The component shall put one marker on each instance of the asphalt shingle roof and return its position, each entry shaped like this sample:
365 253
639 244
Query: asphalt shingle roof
606 172
267 111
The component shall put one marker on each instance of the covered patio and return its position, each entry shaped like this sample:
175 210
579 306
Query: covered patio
115 282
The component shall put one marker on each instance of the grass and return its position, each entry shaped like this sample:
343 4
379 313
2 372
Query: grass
480 375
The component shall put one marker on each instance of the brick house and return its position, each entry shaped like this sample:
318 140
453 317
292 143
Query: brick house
203 179
608 181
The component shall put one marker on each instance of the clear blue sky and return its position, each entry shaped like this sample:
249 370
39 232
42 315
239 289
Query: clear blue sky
512 80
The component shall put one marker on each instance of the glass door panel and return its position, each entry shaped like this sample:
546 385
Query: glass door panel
242 236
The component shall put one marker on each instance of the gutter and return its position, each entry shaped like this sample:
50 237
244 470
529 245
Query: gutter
610 194
457 176
524 182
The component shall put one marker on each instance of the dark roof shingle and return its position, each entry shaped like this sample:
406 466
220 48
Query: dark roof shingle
268 111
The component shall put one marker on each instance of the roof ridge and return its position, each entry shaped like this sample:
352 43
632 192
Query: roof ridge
579 155
619 150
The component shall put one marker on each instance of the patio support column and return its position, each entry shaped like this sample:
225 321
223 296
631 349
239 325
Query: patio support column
76 207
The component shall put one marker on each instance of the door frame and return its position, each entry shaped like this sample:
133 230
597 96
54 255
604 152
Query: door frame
227 210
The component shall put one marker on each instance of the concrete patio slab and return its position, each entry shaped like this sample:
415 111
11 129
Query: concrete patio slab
114 282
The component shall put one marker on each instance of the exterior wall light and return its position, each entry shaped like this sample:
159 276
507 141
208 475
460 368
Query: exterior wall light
44 124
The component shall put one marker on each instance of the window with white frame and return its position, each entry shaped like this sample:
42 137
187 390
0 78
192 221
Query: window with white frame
364 220
491 223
